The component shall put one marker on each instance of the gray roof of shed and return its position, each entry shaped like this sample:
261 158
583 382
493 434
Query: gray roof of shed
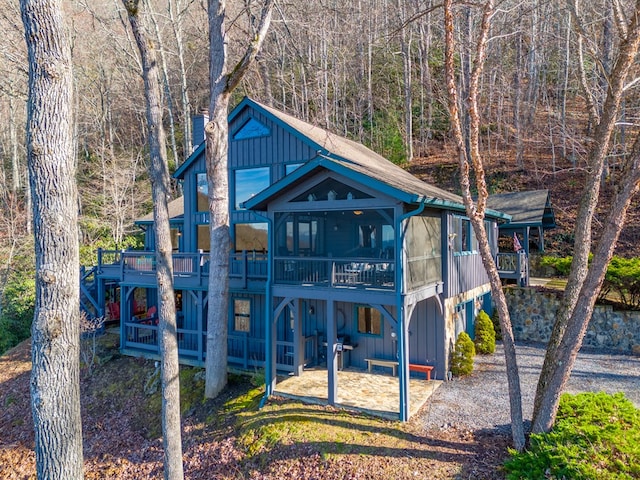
176 209
530 208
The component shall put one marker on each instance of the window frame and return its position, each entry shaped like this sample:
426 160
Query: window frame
370 333
234 191
242 316
464 242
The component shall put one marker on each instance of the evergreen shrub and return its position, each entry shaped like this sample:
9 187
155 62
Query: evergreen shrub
596 436
495 319
485 341
621 282
462 356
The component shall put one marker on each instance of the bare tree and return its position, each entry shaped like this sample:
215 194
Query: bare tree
55 385
585 280
160 190
468 159
222 83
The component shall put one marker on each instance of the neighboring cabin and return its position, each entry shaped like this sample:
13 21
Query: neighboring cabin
338 256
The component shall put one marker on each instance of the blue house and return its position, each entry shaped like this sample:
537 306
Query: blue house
339 258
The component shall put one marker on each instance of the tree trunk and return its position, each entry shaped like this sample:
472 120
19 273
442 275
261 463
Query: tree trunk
475 212
55 377
160 191
547 393
222 83
567 350
405 45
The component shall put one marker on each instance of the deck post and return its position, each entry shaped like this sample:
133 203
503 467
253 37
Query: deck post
298 340
332 357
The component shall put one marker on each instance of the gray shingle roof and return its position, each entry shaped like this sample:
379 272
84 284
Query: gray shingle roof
361 159
532 208
176 209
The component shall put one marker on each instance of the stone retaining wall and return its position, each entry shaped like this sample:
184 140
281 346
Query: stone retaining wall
533 314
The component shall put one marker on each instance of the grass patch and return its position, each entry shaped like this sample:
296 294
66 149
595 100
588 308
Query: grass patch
596 435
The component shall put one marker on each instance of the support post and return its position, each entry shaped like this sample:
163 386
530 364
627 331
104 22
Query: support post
332 357
403 362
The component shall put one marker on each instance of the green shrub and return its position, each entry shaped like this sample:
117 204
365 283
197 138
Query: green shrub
621 282
485 338
18 303
495 319
462 356
596 435
561 265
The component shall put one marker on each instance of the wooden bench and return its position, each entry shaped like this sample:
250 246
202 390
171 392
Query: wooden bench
414 367
393 364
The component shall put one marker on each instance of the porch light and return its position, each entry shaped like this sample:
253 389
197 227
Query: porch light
357 212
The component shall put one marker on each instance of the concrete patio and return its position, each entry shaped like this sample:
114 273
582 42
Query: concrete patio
358 390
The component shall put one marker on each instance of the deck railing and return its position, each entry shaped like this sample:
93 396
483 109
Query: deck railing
332 272
243 350
252 266
513 266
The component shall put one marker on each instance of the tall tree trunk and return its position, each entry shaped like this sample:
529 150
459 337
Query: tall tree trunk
55 375
567 351
405 46
160 192
548 393
222 83
475 211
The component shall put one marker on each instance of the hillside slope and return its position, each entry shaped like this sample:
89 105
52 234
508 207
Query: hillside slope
565 184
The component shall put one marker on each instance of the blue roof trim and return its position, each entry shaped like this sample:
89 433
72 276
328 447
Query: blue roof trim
192 158
336 167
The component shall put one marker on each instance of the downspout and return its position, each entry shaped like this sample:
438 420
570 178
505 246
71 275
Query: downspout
268 365
402 341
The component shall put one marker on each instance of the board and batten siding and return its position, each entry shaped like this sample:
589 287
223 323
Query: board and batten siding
427 337
464 271
273 151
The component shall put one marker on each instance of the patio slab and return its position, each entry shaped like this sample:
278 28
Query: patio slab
358 390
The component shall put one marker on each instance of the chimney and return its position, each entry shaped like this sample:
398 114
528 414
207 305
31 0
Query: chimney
199 121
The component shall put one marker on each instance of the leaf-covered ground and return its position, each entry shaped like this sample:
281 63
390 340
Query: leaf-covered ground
230 438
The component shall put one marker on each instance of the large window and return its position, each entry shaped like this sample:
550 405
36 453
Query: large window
242 315
464 240
248 182
251 237
369 320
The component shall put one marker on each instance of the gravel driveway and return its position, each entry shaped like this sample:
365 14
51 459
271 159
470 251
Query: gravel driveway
481 400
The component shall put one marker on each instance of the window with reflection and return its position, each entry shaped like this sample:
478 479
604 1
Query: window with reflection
202 191
369 320
176 234
300 234
464 240
251 237
248 182
204 238
331 189
290 167
242 315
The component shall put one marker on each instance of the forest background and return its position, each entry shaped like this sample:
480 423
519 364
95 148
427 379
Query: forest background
370 70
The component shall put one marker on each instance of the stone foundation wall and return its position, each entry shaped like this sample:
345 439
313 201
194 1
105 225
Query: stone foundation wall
533 314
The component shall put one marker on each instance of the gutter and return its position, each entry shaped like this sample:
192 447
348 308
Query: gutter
402 343
268 375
